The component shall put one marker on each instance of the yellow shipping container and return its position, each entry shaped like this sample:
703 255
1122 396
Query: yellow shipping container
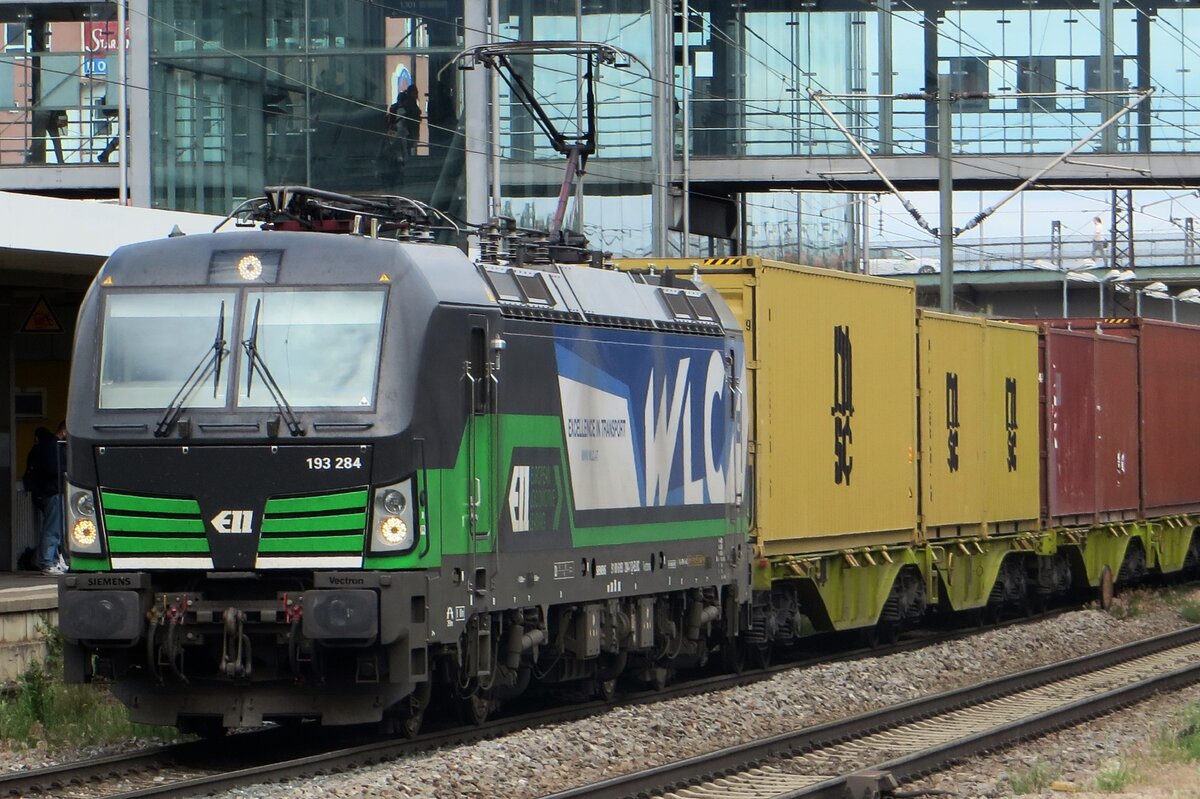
1013 408
950 355
832 377
978 396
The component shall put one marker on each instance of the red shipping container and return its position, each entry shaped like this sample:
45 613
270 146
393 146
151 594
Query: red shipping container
1170 384
1091 460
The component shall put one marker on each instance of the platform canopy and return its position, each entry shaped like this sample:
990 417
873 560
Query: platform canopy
73 237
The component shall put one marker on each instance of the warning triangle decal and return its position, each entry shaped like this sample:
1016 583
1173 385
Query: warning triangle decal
41 319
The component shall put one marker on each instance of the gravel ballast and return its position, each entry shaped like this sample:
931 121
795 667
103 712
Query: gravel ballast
539 761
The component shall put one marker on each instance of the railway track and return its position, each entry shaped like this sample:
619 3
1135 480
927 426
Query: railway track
205 767
867 754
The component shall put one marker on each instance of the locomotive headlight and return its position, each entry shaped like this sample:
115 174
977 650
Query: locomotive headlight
392 528
82 524
395 532
83 504
84 534
249 267
394 502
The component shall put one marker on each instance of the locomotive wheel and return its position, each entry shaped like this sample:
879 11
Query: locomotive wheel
409 712
1107 589
409 724
474 709
605 690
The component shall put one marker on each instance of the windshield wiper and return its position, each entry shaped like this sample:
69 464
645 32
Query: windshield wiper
209 364
255 363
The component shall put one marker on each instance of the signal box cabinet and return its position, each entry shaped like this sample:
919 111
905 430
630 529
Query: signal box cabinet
978 411
832 386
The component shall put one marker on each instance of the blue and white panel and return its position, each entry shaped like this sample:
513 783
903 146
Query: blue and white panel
650 420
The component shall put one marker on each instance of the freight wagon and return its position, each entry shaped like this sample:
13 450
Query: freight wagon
907 460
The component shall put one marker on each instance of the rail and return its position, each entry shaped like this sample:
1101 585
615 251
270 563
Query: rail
903 741
187 769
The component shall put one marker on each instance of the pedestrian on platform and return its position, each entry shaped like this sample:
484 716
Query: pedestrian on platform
1099 238
43 480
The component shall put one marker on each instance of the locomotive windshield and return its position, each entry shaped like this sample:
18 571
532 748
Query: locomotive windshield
321 347
152 341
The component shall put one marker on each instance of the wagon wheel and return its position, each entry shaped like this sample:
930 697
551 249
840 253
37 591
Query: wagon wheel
733 654
760 655
1107 589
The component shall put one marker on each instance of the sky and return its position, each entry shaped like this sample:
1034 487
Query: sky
1031 213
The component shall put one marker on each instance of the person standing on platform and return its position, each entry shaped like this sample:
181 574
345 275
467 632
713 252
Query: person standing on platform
1099 239
43 480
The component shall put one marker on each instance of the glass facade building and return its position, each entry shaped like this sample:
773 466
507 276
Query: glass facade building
367 96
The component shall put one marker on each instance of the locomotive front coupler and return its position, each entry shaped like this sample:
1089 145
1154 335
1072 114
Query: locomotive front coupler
235 644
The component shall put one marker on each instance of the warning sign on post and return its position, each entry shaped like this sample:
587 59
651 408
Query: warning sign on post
41 319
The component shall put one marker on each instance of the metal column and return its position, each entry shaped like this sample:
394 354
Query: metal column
661 113
946 193
475 125
885 76
1107 65
1144 111
1121 241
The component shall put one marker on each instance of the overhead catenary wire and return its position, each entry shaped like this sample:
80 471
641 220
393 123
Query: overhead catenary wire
618 172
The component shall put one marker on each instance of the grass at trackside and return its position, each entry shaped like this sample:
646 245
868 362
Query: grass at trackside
1035 778
43 712
1135 602
1168 762
1180 742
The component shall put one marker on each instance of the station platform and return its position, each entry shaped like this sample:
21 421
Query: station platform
28 605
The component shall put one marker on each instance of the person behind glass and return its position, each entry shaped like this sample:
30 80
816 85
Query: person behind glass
410 113
56 126
111 117
404 119
43 479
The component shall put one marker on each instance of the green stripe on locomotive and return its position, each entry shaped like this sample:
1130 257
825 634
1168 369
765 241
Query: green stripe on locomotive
448 492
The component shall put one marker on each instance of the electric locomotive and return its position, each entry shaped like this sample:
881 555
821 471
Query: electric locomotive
328 477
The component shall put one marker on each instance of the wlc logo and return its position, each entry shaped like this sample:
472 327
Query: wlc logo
233 521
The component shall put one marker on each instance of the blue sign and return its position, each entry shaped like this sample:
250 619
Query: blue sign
95 67
647 419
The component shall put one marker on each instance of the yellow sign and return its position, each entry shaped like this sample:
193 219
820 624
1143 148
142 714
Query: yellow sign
41 319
